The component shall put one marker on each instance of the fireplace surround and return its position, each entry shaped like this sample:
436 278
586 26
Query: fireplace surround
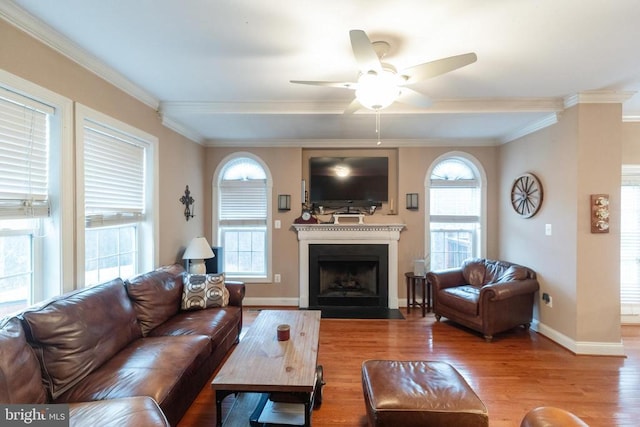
350 236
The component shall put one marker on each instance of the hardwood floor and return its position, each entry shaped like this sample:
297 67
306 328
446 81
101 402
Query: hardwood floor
519 371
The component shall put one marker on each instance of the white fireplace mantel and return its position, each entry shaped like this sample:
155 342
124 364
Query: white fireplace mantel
343 234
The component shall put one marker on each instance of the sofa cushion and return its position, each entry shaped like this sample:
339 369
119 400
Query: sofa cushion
156 295
20 378
216 323
126 412
159 367
514 272
473 271
462 298
75 333
204 291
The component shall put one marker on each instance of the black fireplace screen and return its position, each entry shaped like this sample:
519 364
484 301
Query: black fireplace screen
348 275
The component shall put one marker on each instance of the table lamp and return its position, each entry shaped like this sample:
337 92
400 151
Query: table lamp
197 251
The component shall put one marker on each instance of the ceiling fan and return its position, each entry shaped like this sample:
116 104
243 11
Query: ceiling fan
380 84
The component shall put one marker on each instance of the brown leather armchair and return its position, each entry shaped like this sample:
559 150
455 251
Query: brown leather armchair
485 295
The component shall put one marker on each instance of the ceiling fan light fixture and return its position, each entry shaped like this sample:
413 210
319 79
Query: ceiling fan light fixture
377 90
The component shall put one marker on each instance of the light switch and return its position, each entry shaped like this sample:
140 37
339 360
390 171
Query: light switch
547 229
277 224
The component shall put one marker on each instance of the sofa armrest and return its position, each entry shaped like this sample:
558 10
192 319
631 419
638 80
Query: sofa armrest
445 279
505 290
236 292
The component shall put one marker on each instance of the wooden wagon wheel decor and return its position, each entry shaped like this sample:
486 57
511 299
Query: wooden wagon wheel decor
526 195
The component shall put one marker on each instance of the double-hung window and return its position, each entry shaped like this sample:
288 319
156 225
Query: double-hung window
243 217
454 212
116 181
630 244
24 194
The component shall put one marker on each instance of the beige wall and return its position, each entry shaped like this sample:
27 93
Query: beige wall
181 160
287 167
578 269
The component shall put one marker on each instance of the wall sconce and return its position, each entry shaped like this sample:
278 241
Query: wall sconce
412 201
599 213
187 201
284 202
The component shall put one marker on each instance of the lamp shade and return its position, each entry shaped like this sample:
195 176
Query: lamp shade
198 248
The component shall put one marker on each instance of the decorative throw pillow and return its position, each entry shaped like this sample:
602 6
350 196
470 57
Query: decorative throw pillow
204 291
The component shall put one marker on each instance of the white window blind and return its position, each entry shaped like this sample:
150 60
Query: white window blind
114 171
630 240
244 201
24 156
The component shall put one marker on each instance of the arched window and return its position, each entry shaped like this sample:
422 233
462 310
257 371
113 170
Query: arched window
455 211
242 217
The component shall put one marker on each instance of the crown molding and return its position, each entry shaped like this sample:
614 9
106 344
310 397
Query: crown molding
547 121
353 143
37 29
477 105
182 130
597 97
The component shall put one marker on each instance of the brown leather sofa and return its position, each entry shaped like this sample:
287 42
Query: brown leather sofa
119 350
485 295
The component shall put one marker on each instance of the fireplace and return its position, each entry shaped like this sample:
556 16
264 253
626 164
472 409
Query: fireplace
382 237
348 275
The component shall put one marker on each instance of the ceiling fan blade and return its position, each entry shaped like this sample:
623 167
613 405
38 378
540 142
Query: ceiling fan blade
435 68
412 97
353 107
344 85
366 56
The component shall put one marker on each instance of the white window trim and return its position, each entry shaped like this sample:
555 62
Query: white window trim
215 202
60 247
148 253
480 173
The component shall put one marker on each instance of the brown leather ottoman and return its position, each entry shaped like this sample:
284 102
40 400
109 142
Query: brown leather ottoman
548 416
419 393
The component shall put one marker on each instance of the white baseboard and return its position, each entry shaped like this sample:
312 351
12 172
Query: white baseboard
579 347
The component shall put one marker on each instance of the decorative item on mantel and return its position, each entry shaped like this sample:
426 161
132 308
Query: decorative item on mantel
599 213
187 201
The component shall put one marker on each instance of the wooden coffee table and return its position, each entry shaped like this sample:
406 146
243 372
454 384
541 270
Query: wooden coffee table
261 363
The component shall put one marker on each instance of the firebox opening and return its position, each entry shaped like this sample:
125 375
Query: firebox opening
348 275
348 278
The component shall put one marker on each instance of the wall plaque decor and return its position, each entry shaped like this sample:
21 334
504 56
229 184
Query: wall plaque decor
526 195
599 213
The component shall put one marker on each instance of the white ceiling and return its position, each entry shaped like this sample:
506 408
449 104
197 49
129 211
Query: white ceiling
219 70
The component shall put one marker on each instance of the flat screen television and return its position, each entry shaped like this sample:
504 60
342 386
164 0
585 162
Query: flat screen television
342 182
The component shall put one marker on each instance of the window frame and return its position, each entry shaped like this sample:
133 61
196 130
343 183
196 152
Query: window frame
475 165
629 310
215 214
148 229
58 264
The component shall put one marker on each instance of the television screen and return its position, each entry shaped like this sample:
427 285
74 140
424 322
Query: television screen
348 181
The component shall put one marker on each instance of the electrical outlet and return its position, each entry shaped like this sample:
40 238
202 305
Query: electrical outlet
548 300
277 278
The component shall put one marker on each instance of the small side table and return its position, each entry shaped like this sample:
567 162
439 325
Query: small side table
412 281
